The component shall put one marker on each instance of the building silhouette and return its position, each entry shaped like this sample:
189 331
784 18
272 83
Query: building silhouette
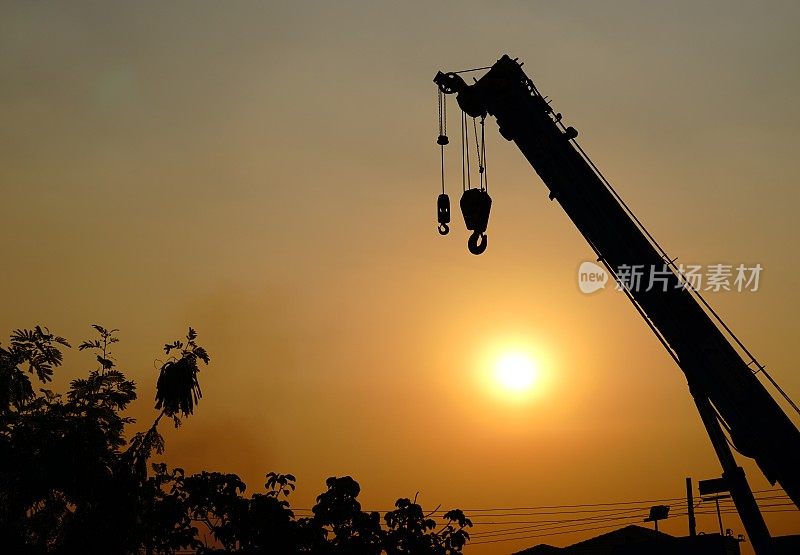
637 540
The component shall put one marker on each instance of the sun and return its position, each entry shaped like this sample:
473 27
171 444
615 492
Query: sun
516 372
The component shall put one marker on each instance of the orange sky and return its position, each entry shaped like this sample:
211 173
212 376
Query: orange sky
267 173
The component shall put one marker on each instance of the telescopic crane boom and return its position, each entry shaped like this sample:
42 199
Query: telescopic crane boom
727 393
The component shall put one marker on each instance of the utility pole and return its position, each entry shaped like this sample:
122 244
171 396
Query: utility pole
716 499
735 480
690 505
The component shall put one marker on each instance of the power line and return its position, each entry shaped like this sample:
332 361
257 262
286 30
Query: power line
624 506
614 514
581 528
547 534
566 524
643 502
561 525
592 517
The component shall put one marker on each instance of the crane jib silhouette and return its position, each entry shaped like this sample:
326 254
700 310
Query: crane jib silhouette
726 391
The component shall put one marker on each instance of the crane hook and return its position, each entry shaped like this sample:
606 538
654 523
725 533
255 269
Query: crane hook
443 213
475 206
474 246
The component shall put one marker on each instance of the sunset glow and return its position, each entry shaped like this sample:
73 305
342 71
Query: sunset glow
516 372
272 174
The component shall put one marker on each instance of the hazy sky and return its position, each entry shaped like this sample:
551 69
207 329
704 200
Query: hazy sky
267 173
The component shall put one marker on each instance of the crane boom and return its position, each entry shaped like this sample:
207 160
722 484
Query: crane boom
724 387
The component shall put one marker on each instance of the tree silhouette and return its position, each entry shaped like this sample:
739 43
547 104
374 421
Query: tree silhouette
178 390
68 482
411 531
339 513
59 452
71 481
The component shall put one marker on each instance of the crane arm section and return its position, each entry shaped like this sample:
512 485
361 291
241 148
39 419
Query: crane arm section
714 369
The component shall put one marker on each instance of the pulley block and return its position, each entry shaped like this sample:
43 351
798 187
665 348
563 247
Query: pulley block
475 207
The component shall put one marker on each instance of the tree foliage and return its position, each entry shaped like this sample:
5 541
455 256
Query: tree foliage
74 479
178 389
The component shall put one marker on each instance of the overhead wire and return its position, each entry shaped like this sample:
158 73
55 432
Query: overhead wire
615 516
581 515
643 502
570 522
575 531
523 533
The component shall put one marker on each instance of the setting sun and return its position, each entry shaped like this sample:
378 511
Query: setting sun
516 372
515 369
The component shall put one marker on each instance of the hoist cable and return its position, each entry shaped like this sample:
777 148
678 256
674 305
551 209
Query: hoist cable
444 113
463 163
483 154
439 105
441 148
444 132
478 152
442 102
465 170
473 69
477 142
